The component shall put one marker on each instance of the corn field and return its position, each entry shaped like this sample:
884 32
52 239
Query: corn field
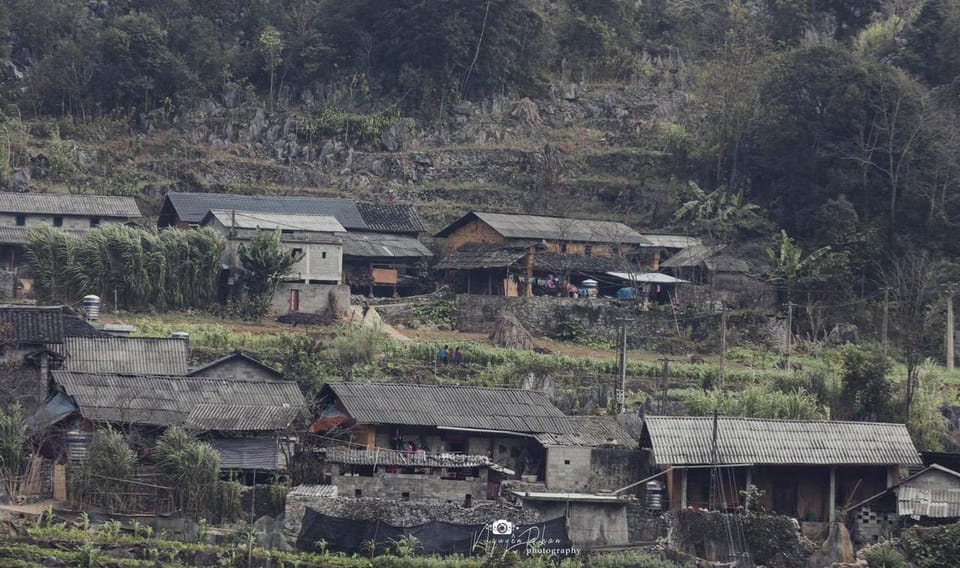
138 269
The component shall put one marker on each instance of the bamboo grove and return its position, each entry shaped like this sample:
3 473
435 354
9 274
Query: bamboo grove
138 269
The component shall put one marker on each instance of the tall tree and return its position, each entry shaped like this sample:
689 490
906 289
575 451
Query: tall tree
271 47
266 263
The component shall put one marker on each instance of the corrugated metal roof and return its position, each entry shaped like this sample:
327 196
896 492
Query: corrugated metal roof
313 491
54 204
126 355
394 457
33 325
248 453
236 417
167 400
19 235
591 431
282 221
647 277
392 218
552 228
53 411
687 440
692 256
500 409
380 245
671 241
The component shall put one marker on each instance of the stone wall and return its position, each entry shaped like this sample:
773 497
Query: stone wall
415 487
644 526
8 284
652 329
403 513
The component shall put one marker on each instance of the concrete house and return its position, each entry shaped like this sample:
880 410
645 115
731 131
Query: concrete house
806 469
381 246
495 433
238 366
512 255
929 497
312 280
251 423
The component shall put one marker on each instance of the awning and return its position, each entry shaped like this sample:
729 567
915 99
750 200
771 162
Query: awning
647 277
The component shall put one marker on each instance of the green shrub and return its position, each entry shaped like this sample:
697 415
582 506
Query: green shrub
884 555
932 547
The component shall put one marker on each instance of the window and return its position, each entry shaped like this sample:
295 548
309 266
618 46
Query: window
21 220
566 462
297 252
468 501
58 221
323 254
357 493
94 221
563 247
405 495
587 250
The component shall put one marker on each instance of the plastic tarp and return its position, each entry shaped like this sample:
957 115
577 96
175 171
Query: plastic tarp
353 536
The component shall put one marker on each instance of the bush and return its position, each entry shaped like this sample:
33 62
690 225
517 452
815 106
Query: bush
932 547
884 555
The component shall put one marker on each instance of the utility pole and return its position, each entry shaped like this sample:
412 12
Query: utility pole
886 319
950 335
713 464
622 361
664 383
723 344
786 357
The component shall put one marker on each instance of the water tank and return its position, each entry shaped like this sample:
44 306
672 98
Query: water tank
180 335
91 307
655 495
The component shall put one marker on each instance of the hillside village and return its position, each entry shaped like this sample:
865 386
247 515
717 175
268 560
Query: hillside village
525 283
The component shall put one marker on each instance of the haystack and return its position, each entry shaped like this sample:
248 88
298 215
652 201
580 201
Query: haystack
509 332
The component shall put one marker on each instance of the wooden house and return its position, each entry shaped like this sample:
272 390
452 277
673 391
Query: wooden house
721 275
929 497
251 423
505 254
518 430
380 243
805 469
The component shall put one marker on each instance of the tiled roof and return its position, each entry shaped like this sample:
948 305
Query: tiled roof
380 245
18 235
390 218
235 417
552 228
191 208
282 221
686 440
126 355
499 409
167 400
478 255
933 491
74 326
33 325
394 457
55 204
313 491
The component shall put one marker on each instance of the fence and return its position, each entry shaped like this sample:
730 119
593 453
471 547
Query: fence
120 496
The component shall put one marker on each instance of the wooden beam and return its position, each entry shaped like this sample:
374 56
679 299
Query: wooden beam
832 501
683 489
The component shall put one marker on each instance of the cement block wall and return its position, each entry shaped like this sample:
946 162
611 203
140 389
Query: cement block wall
314 298
417 487
588 524
589 470
237 369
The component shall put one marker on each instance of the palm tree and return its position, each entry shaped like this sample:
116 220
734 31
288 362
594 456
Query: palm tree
718 212
789 264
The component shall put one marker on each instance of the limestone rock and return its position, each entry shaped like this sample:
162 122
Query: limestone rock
394 137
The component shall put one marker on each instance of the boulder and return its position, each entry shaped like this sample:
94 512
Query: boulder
394 137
